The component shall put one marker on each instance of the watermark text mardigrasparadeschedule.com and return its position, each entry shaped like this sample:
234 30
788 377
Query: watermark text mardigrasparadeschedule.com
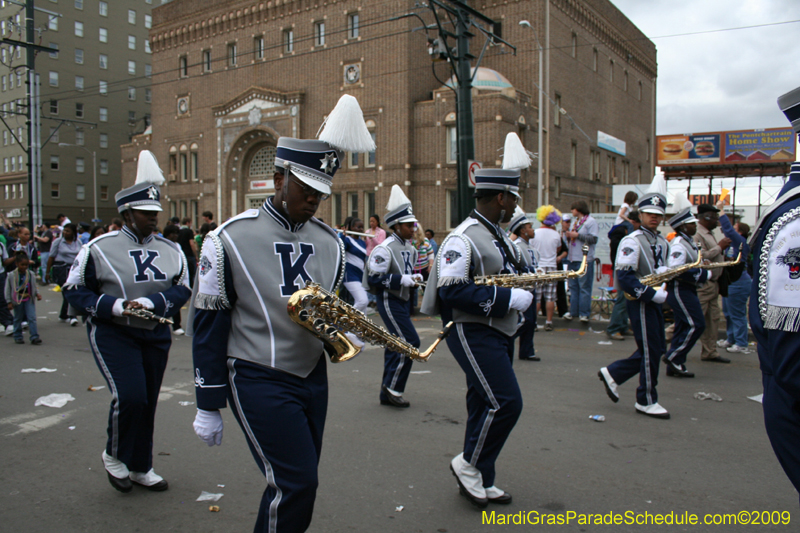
631 518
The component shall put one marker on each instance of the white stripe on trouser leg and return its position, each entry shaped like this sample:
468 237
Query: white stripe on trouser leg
270 475
688 319
399 334
114 393
495 405
645 356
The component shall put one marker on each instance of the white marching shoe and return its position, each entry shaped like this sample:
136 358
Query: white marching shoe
150 480
655 410
609 383
470 481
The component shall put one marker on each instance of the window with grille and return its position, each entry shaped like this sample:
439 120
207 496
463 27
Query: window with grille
262 166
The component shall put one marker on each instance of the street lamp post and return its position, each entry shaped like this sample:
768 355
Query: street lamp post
94 174
539 163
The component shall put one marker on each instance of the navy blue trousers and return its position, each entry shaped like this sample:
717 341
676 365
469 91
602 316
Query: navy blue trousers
647 322
396 317
132 361
782 420
525 334
689 321
283 418
494 401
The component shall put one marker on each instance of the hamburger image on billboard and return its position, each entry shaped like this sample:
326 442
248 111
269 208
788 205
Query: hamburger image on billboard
704 149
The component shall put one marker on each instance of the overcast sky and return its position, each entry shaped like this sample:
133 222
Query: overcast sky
720 81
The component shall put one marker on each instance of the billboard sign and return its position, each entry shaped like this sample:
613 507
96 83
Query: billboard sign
610 143
726 147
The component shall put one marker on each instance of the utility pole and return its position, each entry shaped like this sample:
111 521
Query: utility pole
465 19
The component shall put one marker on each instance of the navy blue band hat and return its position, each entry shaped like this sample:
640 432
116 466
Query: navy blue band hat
398 208
683 209
145 194
517 221
790 105
312 162
495 179
655 200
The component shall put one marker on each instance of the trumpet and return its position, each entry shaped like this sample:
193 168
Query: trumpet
723 264
328 317
147 315
529 281
654 280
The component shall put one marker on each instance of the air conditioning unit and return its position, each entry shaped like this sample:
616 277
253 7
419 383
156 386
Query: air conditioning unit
173 177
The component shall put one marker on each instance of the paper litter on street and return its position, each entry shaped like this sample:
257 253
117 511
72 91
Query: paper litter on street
186 403
605 342
757 398
92 388
54 400
37 370
209 497
708 396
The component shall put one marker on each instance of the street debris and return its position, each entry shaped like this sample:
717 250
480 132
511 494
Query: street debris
56 400
37 370
92 389
209 497
708 396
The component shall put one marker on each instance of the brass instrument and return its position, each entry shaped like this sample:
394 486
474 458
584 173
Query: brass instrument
529 281
654 280
723 264
329 318
147 315
348 232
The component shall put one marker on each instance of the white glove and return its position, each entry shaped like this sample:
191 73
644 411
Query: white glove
146 303
407 280
520 299
357 342
118 308
417 278
208 426
660 296
662 269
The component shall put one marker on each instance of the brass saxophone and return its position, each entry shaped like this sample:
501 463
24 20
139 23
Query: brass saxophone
328 317
723 264
529 281
655 280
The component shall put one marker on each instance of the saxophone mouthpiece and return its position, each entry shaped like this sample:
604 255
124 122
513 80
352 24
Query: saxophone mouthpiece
423 356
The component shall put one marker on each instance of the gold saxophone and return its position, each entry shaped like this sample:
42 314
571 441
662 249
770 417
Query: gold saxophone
655 280
328 317
723 264
529 281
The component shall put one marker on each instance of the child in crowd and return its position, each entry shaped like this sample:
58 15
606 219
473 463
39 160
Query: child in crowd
20 291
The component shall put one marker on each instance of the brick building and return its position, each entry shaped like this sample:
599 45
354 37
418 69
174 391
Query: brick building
94 94
230 77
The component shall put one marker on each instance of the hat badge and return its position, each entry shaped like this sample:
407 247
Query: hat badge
654 200
152 192
328 163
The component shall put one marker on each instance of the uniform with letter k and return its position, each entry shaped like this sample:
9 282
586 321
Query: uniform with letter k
113 275
248 353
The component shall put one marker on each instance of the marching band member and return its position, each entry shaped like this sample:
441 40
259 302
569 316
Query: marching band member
521 227
486 318
247 351
775 310
641 253
390 275
113 274
682 291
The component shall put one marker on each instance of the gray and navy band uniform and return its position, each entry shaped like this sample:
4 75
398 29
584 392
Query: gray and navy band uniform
391 259
636 252
529 255
683 250
127 269
470 251
268 259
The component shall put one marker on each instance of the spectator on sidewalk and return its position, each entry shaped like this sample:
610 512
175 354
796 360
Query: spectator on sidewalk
188 246
584 232
546 241
618 323
734 306
20 291
62 254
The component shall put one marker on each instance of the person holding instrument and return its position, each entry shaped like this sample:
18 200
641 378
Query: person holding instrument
114 275
248 353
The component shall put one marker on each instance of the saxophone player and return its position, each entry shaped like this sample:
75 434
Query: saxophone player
247 351
682 291
641 253
486 318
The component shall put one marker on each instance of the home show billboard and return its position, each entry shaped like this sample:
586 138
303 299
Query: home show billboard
726 147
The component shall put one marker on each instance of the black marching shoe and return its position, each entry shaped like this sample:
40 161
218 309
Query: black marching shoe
531 358
676 371
498 496
121 484
387 398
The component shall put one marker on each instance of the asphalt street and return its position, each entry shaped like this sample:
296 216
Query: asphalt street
387 470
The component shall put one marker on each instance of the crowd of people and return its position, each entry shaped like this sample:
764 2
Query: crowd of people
250 355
